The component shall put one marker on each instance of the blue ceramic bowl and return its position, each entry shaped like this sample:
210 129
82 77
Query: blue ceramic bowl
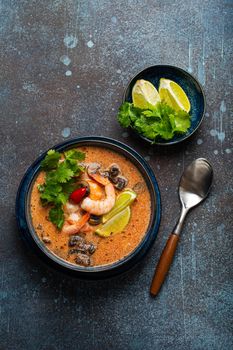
28 233
189 84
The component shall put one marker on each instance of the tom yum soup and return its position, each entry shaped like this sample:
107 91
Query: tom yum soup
90 205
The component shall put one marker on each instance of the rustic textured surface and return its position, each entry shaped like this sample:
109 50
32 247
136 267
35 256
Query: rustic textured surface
47 97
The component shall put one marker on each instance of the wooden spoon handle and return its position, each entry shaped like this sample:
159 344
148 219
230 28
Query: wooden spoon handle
164 264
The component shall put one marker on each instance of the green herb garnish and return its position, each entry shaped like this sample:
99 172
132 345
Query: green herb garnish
160 121
51 160
59 181
56 216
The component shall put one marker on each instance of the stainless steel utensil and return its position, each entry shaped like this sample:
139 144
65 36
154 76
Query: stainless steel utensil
194 187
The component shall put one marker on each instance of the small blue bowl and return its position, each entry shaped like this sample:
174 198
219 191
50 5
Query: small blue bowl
189 84
30 237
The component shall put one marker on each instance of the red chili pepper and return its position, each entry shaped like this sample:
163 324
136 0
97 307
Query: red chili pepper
77 195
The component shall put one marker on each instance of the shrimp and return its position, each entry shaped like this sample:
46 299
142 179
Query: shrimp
103 206
73 218
93 170
72 226
70 208
96 191
87 228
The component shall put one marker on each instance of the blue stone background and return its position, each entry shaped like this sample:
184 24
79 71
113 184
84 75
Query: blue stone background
63 68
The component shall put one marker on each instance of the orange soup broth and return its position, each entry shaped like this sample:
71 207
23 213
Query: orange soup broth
109 249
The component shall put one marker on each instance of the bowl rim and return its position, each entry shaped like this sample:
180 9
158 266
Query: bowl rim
29 177
191 76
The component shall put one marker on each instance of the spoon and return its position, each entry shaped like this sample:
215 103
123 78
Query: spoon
195 184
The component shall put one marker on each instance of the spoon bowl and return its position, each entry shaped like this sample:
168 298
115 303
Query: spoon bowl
195 183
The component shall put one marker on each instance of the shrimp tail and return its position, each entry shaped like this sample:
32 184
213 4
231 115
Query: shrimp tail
100 179
75 227
93 171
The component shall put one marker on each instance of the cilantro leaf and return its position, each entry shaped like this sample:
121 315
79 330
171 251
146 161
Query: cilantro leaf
74 166
164 131
127 114
51 160
60 181
50 193
152 114
56 216
61 198
72 158
74 154
182 121
41 187
69 186
56 194
123 115
62 174
160 121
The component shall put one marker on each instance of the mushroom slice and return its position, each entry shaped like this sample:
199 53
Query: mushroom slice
139 187
105 173
94 220
83 259
85 248
114 170
93 168
74 240
46 240
121 182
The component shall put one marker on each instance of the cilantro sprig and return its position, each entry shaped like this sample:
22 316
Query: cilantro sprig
51 160
60 174
160 121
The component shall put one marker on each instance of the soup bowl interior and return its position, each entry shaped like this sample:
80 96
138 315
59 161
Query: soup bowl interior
23 212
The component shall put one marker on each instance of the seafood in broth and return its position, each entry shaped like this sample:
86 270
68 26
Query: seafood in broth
90 205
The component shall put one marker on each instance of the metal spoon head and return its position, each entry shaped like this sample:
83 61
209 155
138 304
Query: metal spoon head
195 183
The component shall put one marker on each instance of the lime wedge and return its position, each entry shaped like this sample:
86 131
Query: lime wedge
116 224
124 199
144 94
173 95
